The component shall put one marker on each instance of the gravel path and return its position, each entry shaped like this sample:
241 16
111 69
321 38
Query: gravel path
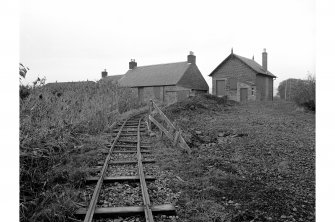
145 139
122 170
124 149
123 156
120 194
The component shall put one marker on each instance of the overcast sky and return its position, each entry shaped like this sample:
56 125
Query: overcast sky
75 40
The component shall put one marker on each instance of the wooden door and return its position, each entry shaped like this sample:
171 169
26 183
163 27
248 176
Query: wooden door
220 87
140 95
243 94
157 92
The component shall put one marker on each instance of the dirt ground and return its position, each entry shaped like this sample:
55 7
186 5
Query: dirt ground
249 162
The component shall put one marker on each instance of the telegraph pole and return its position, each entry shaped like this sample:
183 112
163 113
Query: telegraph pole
289 91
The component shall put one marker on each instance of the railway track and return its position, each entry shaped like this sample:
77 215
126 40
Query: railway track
131 154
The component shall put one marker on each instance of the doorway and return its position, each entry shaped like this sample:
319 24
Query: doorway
243 94
220 87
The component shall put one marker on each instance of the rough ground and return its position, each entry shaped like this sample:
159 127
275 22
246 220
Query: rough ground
249 162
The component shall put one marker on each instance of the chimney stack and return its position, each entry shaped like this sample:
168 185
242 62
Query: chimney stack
191 58
132 64
104 73
265 60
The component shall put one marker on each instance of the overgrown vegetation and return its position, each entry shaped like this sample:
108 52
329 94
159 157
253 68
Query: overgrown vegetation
249 162
59 137
302 92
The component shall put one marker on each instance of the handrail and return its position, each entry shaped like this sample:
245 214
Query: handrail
172 133
170 125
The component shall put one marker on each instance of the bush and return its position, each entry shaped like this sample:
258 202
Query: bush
302 92
24 91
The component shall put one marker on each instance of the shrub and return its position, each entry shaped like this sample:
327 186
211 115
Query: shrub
24 91
302 92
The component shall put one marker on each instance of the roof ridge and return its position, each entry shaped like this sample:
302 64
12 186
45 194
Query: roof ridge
161 64
115 75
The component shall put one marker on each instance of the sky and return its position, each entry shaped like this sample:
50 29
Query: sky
76 40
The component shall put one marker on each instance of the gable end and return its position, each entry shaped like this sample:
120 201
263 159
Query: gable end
235 68
193 79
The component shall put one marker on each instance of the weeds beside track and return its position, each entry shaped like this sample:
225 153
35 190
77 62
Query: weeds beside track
60 126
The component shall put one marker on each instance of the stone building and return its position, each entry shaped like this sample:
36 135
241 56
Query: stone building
241 79
165 83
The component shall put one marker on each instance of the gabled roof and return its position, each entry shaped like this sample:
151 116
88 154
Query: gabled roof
155 75
249 62
179 73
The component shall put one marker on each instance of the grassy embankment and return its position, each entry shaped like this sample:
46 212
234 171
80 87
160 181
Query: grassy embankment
251 162
60 128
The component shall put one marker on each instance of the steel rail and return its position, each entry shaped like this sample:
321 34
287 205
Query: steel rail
145 195
94 200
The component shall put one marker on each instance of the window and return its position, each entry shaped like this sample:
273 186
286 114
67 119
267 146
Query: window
252 91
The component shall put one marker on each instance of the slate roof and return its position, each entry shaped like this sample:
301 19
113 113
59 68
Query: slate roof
255 66
249 62
160 75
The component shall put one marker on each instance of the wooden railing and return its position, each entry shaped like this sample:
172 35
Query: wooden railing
169 129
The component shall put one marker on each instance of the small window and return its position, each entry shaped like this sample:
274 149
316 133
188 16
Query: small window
252 91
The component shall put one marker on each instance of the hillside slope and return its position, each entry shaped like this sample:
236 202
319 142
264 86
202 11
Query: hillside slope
250 162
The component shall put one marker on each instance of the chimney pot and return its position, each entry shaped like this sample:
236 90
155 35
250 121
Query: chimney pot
191 58
265 60
104 73
132 64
